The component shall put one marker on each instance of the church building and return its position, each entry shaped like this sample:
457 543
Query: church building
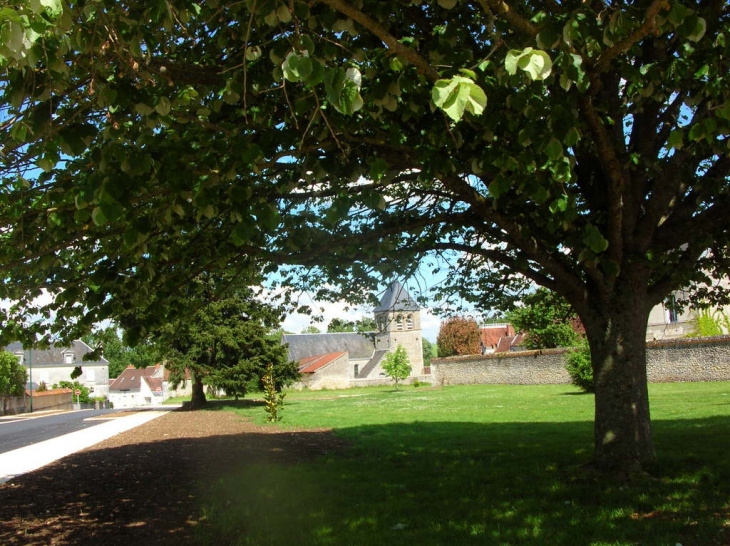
342 360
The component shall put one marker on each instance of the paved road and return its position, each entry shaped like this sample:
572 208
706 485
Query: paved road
90 430
23 430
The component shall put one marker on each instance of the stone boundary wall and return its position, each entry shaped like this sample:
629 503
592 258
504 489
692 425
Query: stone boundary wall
57 399
702 359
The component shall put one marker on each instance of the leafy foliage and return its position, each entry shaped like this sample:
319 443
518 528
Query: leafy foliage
581 146
430 350
547 319
709 323
224 343
12 375
458 336
365 324
396 365
84 395
118 353
273 397
578 364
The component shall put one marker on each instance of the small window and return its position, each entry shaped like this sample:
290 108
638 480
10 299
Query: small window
356 369
672 311
409 322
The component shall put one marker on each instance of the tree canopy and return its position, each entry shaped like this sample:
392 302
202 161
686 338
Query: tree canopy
365 324
547 320
120 355
458 336
581 146
12 376
225 344
396 365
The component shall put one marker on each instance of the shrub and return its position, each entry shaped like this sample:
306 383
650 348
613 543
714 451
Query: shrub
578 364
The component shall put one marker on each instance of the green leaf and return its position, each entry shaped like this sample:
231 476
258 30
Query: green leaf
554 149
535 62
594 240
54 8
98 216
297 68
253 53
163 106
458 95
343 89
698 31
268 216
143 109
676 139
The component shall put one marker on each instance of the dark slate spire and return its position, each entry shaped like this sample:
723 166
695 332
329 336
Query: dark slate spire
396 298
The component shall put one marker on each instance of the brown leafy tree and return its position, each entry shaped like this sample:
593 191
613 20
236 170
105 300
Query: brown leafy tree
458 336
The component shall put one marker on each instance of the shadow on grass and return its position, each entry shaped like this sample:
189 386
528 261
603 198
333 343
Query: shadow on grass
466 483
418 483
218 405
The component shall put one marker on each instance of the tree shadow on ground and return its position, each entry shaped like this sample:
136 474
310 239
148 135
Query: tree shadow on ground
425 483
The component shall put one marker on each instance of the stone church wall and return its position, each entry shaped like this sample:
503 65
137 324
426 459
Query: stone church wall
336 375
705 359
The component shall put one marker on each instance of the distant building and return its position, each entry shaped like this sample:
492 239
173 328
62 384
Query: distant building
667 321
139 387
55 364
341 360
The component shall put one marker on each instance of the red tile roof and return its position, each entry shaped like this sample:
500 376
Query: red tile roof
491 336
313 363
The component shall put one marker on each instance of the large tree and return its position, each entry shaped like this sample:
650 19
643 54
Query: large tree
578 145
224 342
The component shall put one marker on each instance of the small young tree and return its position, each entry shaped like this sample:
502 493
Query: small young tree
458 336
12 377
396 365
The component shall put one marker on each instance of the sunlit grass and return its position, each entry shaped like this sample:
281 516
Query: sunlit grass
480 465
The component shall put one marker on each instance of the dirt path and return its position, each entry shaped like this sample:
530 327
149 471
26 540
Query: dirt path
143 486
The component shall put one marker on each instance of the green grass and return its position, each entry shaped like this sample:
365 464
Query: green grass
497 465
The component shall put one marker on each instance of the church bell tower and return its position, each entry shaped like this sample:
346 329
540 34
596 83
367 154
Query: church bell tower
398 320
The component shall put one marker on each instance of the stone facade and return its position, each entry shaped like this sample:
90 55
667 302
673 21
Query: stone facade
335 375
398 319
398 322
704 359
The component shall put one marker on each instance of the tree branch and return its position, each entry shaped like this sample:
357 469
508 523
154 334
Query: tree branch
510 15
646 28
388 39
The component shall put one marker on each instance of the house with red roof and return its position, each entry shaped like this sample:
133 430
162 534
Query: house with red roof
499 338
150 386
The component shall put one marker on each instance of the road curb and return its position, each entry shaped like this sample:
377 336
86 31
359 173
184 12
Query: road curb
29 458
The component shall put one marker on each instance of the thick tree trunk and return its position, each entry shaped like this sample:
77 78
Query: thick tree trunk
622 429
198 399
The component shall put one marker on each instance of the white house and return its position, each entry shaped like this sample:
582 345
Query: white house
55 364
138 387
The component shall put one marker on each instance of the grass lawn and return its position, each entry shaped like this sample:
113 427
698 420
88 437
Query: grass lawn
487 464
